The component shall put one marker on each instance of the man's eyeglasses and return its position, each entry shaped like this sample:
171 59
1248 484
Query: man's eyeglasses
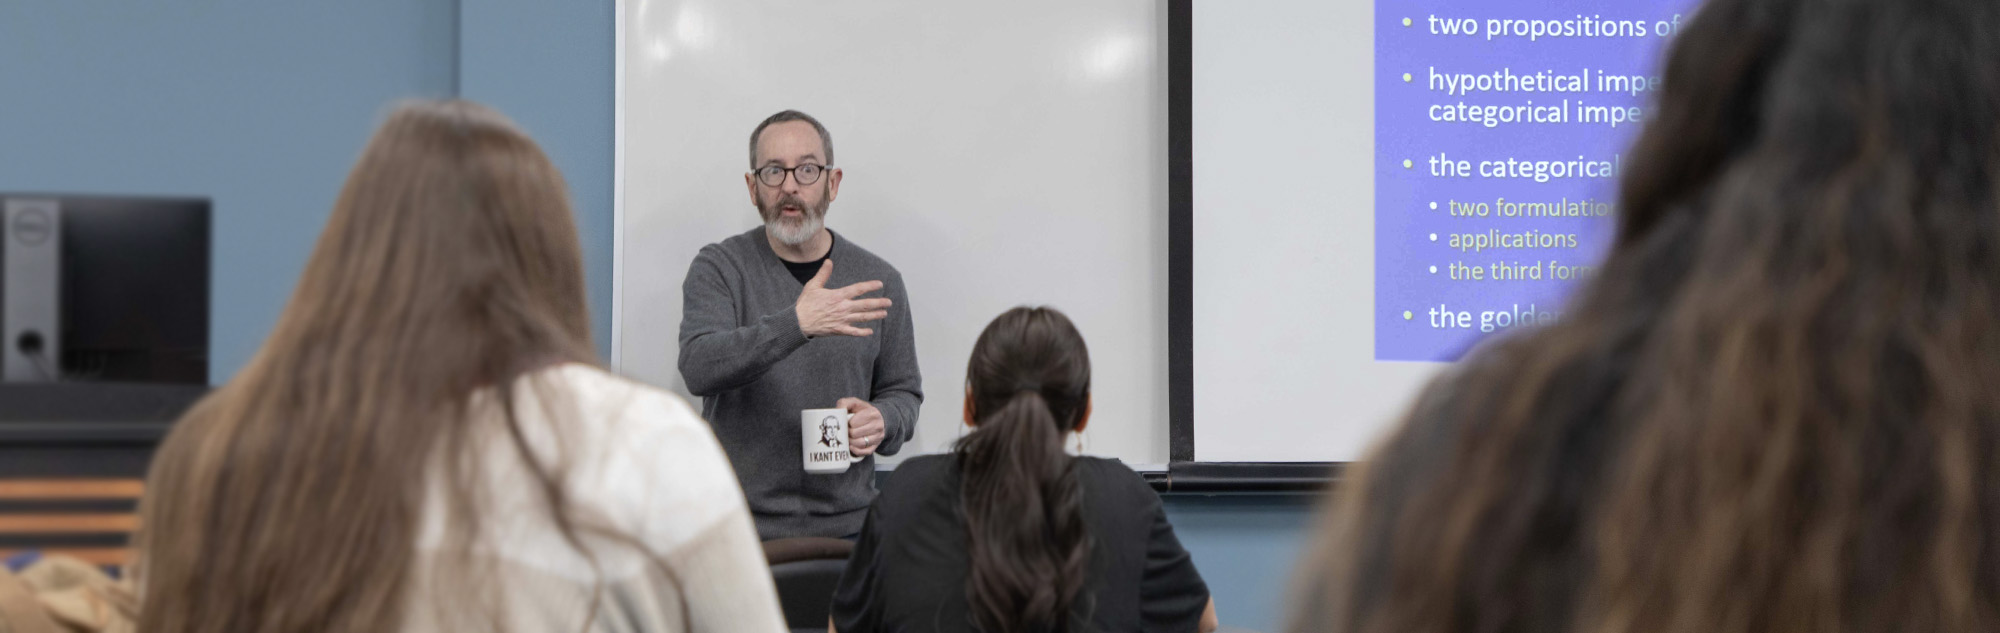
773 175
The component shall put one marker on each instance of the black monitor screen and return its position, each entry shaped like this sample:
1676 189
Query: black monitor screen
134 284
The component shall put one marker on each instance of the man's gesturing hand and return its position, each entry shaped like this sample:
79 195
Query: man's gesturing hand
831 312
865 429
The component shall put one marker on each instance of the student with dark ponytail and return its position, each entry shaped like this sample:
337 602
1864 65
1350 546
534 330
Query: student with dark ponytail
1009 533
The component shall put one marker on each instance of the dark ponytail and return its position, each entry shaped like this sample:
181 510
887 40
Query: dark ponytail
1029 381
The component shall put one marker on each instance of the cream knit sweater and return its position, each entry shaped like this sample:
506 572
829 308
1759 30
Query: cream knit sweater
632 459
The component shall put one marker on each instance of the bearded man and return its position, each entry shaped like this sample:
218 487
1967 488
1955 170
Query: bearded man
792 316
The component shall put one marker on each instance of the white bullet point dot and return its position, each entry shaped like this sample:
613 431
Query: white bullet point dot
1434 270
1407 315
1434 237
1406 21
1406 77
1434 206
1407 163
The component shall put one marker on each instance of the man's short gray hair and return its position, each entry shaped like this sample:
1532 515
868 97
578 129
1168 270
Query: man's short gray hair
825 139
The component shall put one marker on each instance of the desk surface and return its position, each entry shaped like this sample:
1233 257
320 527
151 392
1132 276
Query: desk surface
96 402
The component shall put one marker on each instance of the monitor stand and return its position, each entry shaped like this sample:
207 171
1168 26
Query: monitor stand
31 292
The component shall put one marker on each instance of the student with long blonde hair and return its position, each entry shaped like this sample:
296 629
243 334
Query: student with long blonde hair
426 442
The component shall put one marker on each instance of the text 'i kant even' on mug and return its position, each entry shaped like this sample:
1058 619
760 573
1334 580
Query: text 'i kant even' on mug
823 432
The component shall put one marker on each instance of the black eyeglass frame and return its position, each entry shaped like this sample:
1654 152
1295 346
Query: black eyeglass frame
792 172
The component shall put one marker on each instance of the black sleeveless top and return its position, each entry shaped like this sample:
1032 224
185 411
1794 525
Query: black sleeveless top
910 565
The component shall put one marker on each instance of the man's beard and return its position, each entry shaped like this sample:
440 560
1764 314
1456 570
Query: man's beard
792 231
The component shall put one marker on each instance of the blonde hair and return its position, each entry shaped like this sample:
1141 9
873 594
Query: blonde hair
288 500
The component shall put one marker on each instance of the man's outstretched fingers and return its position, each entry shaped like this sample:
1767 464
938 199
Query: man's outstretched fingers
859 289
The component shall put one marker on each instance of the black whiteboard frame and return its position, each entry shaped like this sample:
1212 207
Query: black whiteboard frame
1180 229
1184 474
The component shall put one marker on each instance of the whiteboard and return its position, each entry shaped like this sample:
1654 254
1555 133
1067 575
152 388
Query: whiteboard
997 153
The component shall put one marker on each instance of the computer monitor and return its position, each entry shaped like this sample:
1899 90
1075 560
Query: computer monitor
104 289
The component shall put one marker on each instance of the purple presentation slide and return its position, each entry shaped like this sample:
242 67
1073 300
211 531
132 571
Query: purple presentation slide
1500 133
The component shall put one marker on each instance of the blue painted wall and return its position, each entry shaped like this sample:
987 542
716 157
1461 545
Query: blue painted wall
549 66
1246 547
262 106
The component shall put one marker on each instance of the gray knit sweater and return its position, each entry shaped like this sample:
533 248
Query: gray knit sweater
743 353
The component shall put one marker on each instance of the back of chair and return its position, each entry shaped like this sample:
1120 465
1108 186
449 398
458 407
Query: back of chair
806 571
87 519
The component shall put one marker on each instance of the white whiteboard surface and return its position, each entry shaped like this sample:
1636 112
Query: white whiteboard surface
997 153
1284 251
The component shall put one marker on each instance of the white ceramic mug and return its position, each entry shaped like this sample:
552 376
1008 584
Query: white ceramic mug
823 433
